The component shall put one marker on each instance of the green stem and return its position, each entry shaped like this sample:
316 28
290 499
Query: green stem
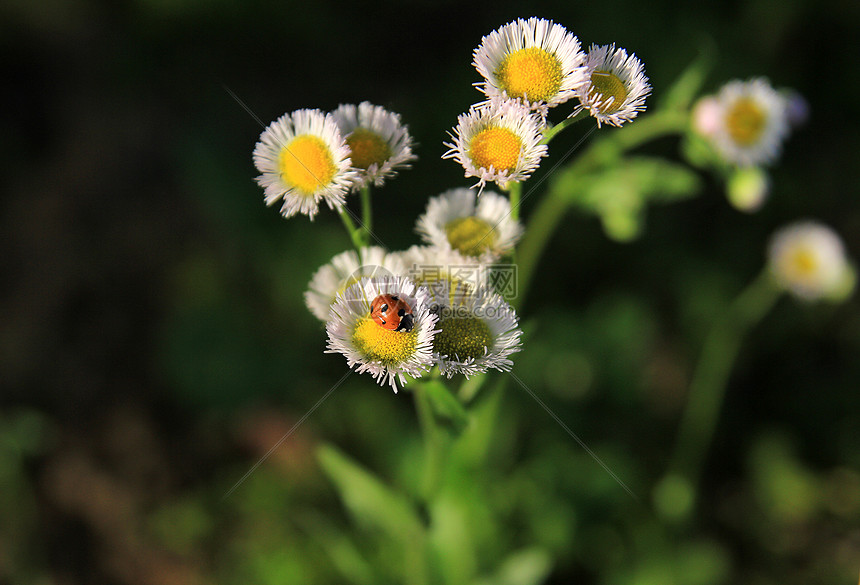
553 131
708 386
354 234
433 442
514 191
551 208
366 214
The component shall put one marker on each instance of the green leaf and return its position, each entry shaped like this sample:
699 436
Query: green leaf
445 405
375 505
369 500
635 181
620 193
685 89
699 152
526 567
346 558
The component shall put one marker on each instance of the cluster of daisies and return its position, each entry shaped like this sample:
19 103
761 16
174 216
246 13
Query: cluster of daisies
528 67
439 304
394 314
400 313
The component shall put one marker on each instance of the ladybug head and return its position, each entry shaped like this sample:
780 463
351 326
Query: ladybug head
406 321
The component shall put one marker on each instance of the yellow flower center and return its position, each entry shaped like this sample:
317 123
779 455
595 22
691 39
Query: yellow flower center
307 164
610 91
376 343
745 121
801 265
367 148
462 338
532 73
470 235
495 147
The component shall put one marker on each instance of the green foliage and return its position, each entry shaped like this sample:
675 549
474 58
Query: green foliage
620 194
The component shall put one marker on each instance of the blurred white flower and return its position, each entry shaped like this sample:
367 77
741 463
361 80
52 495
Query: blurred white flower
346 269
474 226
808 259
439 267
753 122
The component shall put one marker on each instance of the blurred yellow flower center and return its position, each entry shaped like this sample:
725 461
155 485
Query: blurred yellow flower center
376 343
367 148
307 164
610 91
745 122
430 276
495 147
462 338
802 264
532 73
470 235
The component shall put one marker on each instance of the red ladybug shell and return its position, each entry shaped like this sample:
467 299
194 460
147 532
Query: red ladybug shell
392 312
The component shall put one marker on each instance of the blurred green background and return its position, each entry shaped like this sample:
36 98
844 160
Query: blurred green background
155 342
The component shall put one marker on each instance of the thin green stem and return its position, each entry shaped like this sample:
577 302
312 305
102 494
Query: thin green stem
553 131
366 214
708 386
354 234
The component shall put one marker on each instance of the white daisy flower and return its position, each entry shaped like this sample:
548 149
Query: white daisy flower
480 227
442 266
497 141
378 142
808 259
753 122
303 159
370 346
534 60
617 86
476 332
346 269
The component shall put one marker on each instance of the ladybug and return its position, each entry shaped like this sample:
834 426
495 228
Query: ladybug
392 312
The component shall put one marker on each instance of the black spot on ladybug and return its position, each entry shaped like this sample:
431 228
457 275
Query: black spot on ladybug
401 318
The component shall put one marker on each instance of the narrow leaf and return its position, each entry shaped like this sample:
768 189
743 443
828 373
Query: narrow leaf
368 499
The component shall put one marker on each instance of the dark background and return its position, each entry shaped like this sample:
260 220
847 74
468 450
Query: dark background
154 340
